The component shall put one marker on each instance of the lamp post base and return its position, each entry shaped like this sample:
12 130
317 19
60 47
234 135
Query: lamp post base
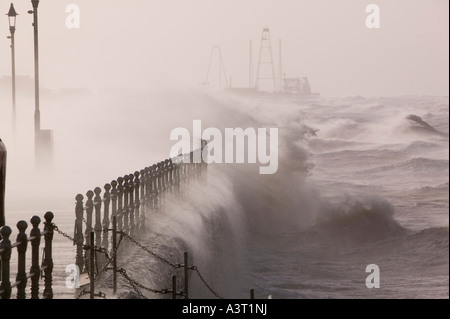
44 149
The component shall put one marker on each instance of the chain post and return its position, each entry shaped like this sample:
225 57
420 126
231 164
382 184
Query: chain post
87 232
143 202
35 269
106 206
91 265
5 246
137 203
155 185
126 191
114 247
131 204
78 235
186 276
174 287
120 203
98 222
48 260
21 277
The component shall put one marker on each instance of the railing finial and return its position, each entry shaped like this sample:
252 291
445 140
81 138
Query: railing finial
5 248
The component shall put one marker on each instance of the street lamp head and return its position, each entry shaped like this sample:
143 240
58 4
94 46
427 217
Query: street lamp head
12 16
35 3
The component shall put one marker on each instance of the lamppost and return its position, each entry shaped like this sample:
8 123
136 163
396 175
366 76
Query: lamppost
12 14
37 114
43 138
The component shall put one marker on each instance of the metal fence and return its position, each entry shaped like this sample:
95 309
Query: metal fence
119 211
130 198
21 245
102 220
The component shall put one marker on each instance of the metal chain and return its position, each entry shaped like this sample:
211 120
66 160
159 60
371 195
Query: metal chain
99 249
64 234
85 292
135 284
112 254
101 295
95 272
96 249
150 252
96 264
132 284
174 265
206 284
82 292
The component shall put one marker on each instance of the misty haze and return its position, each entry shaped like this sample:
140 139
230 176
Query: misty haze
362 166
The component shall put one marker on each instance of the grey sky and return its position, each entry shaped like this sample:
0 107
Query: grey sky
148 43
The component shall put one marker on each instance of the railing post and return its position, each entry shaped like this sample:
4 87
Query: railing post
188 167
252 293
154 183
145 205
137 203
5 248
179 176
181 169
48 261
114 198
21 250
163 183
114 249
105 224
2 187
160 187
148 191
157 179
174 287
143 199
98 216
180 172
35 269
186 276
196 161
195 165
78 235
165 180
126 191
168 179
120 203
2 182
91 265
171 176
87 232
176 177
131 203
191 165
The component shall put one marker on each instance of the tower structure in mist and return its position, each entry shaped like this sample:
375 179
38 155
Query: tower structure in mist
265 72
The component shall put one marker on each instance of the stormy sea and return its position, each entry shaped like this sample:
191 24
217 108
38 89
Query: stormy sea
360 181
